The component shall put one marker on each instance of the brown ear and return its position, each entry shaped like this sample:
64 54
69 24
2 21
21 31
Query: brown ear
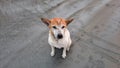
69 21
46 21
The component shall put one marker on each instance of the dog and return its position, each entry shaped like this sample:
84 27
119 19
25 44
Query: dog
59 35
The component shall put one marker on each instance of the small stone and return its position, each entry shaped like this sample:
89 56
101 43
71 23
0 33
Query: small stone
107 4
119 22
96 27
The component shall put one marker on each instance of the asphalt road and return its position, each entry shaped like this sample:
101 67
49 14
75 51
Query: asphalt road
95 33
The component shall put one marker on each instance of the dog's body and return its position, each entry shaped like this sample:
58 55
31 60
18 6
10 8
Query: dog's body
59 35
61 43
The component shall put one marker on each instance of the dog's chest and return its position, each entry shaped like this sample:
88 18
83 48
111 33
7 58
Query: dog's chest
61 43
58 43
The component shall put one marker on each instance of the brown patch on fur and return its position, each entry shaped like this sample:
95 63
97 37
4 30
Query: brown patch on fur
51 32
57 21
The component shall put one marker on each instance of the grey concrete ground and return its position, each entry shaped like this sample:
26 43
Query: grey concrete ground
95 32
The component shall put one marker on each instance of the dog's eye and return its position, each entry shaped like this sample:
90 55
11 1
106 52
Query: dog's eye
63 27
54 27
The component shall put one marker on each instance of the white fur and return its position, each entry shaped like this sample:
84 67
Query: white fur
64 43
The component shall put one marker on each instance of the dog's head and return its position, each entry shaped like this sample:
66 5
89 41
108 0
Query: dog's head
57 26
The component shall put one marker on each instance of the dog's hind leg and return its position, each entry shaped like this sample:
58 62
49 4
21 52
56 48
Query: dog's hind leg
68 48
69 44
52 51
64 52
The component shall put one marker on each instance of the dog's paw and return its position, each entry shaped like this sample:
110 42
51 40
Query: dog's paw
52 53
64 56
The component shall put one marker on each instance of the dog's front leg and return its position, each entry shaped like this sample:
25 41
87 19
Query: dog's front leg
64 52
52 51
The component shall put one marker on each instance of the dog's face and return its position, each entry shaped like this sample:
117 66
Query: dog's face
57 26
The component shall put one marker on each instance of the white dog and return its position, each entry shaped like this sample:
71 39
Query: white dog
59 35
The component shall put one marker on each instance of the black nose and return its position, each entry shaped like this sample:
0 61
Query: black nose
59 36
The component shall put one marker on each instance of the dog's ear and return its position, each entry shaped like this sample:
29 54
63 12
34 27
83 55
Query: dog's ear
46 21
68 21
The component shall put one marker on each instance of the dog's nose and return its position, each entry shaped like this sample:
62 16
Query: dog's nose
59 36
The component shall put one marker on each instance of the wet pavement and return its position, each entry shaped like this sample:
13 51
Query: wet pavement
95 32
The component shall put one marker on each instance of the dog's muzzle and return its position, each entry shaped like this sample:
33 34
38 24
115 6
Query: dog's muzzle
59 36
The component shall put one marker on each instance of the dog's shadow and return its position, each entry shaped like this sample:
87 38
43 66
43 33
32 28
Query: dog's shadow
57 60
58 53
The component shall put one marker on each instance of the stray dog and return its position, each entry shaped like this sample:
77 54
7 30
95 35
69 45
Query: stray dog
59 35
